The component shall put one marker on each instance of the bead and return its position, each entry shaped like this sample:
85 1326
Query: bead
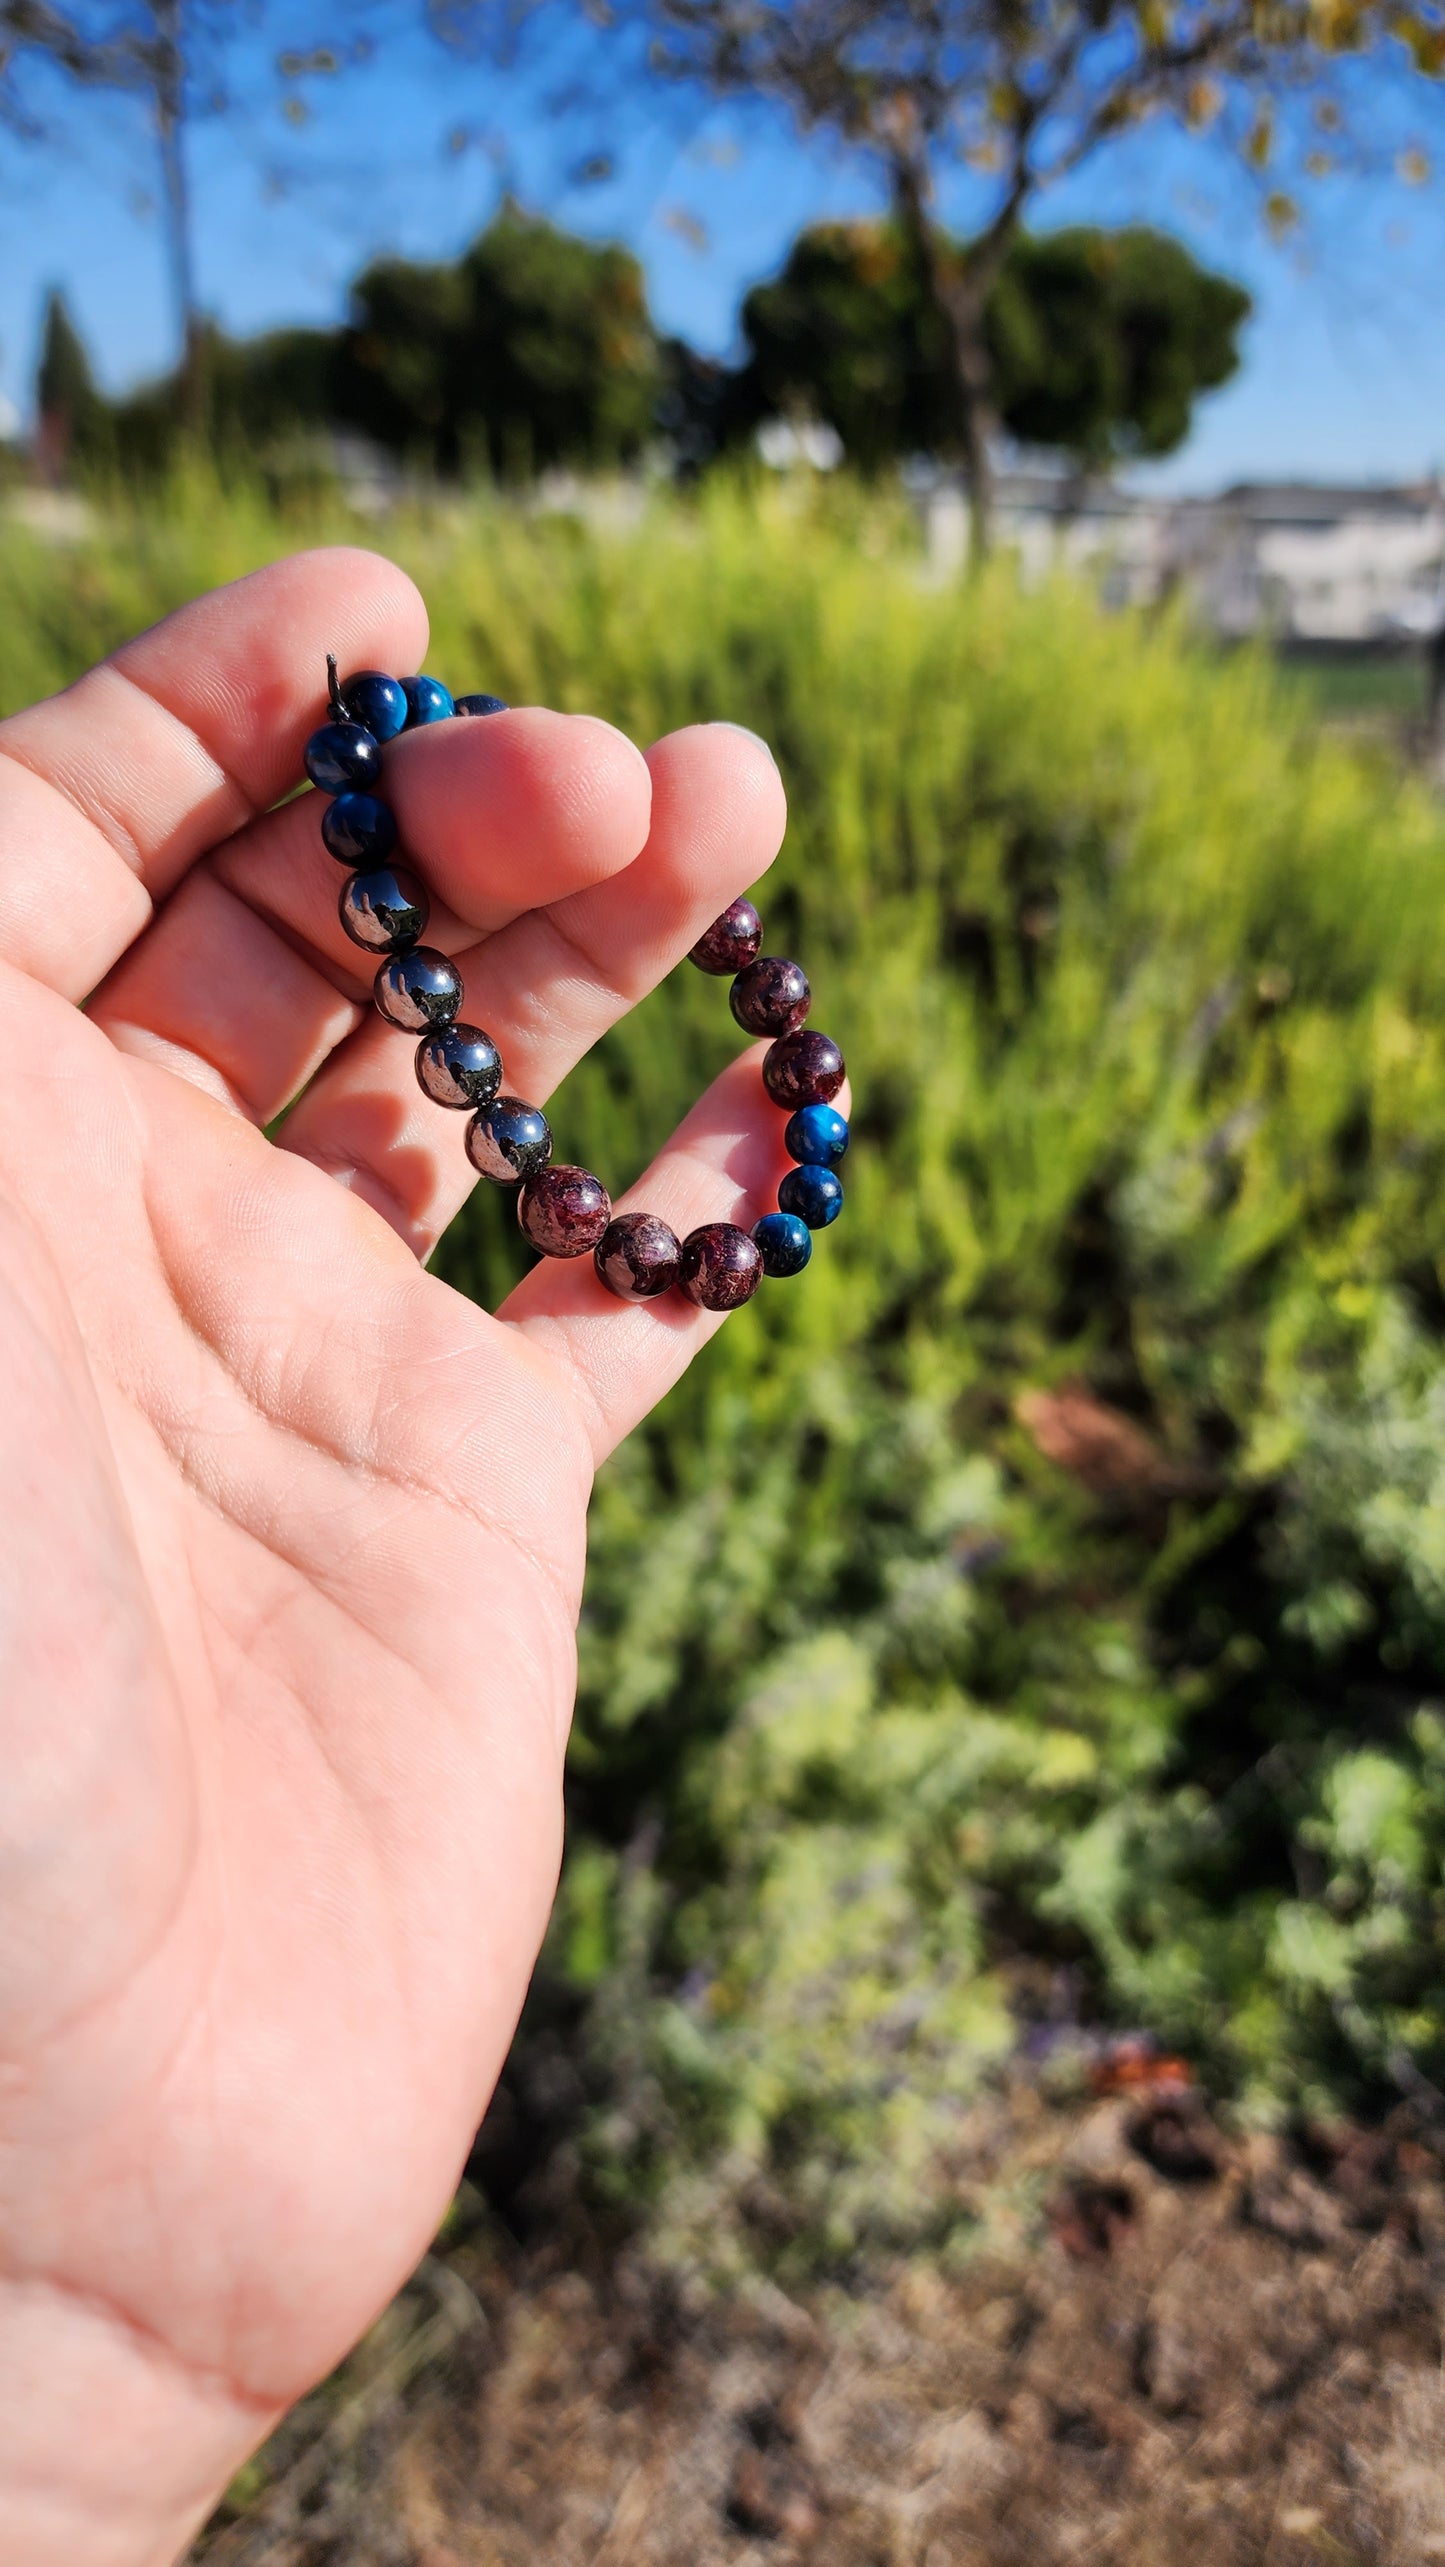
358 830
376 701
803 1069
385 911
637 1256
342 758
771 997
818 1135
783 1242
459 1067
427 700
418 990
480 704
509 1141
731 942
720 1266
815 1194
564 1211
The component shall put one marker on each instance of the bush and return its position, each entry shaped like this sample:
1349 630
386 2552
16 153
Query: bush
897 1738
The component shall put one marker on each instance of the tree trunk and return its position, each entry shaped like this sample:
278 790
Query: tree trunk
965 310
962 298
170 115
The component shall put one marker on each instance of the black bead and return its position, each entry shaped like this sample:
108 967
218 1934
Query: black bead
481 704
509 1141
460 1067
342 758
771 997
385 911
358 830
419 990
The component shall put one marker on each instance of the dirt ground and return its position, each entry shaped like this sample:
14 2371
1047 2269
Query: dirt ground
1170 2348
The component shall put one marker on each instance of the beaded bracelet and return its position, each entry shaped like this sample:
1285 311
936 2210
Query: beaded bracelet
564 1211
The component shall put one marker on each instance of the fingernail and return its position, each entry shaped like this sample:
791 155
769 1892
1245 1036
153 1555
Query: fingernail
744 733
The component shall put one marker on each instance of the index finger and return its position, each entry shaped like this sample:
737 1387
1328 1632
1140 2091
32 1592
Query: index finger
112 789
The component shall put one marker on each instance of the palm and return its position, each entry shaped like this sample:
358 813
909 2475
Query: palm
296 1533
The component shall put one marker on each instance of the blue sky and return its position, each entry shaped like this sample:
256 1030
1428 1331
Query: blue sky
1344 369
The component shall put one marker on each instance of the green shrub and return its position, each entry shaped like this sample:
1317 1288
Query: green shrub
893 1733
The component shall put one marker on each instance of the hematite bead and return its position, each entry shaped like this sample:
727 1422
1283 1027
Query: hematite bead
771 997
481 704
358 830
815 1194
342 758
564 1211
803 1069
385 911
460 1067
509 1141
637 1256
784 1243
731 942
376 701
720 1266
427 700
418 990
816 1135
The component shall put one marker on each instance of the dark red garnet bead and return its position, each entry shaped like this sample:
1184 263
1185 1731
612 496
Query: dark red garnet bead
771 997
731 941
637 1256
804 1069
564 1211
720 1266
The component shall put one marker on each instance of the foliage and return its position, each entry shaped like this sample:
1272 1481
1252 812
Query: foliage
535 349
1012 100
1103 341
899 1742
1100 342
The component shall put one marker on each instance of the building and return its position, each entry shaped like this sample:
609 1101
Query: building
1308 565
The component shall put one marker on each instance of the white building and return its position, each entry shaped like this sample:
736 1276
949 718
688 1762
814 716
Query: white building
1314 565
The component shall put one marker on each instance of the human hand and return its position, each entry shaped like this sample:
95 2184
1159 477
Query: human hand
292 1533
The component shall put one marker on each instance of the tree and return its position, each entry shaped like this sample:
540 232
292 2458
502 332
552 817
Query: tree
535 348
70 412
162 52
1020 93
1102 342
1099 342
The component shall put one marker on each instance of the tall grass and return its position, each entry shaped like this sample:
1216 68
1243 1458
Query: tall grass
896 1738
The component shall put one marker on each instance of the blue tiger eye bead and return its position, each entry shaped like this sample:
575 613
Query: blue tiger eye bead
376 701
460 1067
509 1141
427 700
784 1243
814 1194
418 990
385 911
358 830
342 758
481 704
817 1135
